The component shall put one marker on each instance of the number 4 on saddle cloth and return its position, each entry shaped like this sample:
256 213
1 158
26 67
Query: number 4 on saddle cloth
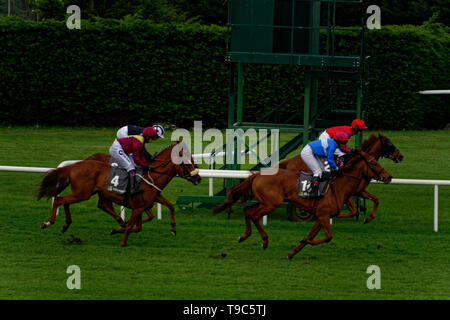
118 181
305 185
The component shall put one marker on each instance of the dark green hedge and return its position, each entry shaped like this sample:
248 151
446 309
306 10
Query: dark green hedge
111 73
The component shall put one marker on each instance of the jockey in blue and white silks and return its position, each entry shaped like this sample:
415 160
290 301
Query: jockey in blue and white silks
315 153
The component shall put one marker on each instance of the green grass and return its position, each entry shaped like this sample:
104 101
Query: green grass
204 260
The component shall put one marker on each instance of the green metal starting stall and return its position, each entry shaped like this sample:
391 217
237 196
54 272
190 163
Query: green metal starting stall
302 34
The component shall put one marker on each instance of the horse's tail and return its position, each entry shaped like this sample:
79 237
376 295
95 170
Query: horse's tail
54 182
241 191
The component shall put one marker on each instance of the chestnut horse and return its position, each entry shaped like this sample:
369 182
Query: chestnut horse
271 190
89 177
378 147
103 157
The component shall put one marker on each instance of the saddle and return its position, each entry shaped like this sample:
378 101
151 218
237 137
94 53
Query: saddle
304 186
118 181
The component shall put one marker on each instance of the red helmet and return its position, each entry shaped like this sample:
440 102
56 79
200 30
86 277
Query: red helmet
149 132
358 124
341 136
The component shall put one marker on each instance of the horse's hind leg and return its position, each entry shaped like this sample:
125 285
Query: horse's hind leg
256 216
248 227
66 200
56 204
68 218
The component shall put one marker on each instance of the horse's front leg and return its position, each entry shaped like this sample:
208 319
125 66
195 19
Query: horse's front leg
135 218
160 198
370 196
314 231
107 206
150 215
351 206
324 222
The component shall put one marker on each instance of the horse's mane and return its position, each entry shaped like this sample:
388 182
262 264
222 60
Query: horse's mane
166 148
356 157
367 143
162 151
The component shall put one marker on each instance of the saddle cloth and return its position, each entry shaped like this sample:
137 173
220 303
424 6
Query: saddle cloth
118 181
305 185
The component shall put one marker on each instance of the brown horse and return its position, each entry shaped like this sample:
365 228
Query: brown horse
103 157
378 147
89 177
271 190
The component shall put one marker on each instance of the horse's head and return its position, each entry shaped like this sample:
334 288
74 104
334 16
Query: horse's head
374 169
184 163
388 150
176 160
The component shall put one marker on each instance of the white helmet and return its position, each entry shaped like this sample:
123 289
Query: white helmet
159 129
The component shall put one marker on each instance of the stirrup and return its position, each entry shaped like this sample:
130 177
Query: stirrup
134 187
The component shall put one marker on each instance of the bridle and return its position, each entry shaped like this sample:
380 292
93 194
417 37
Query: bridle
373 168
387 148
186 174
369 167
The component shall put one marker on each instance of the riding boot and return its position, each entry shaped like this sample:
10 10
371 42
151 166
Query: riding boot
134 188
315 185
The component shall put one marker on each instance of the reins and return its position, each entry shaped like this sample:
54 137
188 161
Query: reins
148 182
163 163
369 166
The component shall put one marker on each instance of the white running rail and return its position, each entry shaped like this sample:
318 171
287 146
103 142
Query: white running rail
207 173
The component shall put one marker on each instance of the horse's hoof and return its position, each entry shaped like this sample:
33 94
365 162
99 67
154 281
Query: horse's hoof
123 245
43 225
366 221
113 231
173 232
240 239
303 241
264 246
289 256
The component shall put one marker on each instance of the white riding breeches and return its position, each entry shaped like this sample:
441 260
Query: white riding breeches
315 163
122 158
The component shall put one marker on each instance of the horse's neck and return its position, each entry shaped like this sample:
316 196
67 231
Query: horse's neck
348 183
375 149
162 178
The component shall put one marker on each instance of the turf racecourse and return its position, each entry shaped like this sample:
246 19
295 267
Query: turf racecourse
204 260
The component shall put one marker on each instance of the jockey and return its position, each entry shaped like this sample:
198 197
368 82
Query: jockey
129 152
356 128
132 130
315 153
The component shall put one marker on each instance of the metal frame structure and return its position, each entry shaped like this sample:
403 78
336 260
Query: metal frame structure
289 32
